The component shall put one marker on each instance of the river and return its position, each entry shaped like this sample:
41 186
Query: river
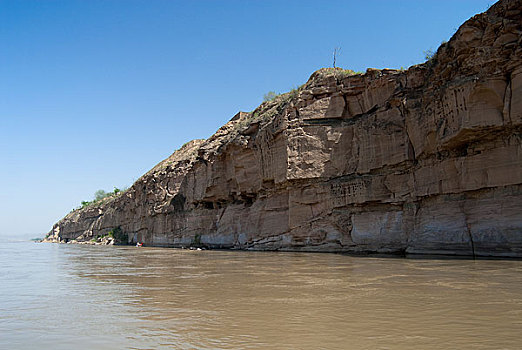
103 297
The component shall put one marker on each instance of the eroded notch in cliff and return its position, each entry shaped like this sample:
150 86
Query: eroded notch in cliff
178 202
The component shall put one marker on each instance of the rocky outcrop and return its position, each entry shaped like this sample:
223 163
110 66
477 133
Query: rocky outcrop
427 160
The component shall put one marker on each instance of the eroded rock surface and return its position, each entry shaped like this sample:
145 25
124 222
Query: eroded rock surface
427 160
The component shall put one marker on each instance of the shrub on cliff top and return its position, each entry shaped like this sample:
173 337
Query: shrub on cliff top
428 54
269 96
100 195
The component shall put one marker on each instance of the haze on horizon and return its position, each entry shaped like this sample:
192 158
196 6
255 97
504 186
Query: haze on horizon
94 94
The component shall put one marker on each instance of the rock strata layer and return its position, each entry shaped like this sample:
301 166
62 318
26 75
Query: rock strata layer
427 160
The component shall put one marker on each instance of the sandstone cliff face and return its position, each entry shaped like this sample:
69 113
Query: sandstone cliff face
427 160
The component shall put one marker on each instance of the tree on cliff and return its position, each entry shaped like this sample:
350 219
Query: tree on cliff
99 195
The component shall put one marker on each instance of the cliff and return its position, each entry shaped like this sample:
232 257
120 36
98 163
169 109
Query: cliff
427 160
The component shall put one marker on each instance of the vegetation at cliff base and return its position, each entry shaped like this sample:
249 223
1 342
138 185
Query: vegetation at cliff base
196 242
118 235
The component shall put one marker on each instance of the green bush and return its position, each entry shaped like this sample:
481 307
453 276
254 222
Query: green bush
100 194
118 235
429 54
269 96
196 242
85 204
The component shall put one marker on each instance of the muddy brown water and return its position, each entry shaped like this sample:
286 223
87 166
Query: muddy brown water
95 297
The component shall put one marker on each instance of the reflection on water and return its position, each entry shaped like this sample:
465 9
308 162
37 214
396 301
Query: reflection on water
86 297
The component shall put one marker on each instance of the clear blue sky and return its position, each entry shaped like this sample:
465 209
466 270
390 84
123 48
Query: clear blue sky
95 93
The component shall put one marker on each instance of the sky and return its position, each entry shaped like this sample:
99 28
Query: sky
95 93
